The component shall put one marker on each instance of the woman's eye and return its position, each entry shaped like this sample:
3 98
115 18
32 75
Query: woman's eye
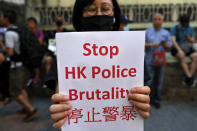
105 9
91 10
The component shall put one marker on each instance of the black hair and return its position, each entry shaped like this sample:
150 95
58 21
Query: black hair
78 12
32 19
184 20
10 15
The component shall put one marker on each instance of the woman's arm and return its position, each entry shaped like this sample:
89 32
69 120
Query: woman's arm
155 45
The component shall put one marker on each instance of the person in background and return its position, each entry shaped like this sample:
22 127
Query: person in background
4 68
97 15
51 78
19 74
51 54
183 37
157 41
124 23
33 27
60 25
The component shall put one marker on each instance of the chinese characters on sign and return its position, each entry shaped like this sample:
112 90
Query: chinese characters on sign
109 114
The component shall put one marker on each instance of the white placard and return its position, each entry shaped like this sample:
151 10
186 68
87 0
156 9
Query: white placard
52 45
97 70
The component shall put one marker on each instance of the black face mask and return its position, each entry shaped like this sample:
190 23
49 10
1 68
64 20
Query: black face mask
184 24
97 23
59 23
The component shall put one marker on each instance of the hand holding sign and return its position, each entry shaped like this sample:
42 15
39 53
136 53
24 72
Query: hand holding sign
138 96
60 109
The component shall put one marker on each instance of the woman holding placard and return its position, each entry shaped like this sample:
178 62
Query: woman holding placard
97 15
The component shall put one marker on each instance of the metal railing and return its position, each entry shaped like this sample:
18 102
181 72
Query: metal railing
137 13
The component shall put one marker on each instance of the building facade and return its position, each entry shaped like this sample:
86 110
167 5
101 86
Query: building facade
140 11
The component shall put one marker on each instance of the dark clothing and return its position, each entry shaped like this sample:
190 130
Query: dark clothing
157 75
1 51
53 33
146 75
180 33
52 77
4 79
189 51
18 79
4 70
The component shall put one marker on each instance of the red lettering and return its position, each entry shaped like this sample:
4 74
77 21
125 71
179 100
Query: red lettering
122 93
112 53
73 94
94 47
113 93
110 113
87 49
70 72
88 95
113 71
128 113
127 92
106 95
103 50
95 70
81 95
117 92
93 116
132 72
98 94
118 71
106 73
80 72
123 71
75 115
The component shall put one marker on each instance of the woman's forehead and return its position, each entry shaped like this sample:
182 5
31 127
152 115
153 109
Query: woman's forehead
102 2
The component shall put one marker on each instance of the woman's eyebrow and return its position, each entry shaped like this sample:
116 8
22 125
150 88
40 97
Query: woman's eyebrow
106 4
92 5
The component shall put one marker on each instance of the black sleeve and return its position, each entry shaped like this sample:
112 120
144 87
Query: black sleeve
2 52
146 75
52 77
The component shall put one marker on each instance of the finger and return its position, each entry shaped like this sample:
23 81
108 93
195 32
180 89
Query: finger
139 98
60 108
60 115
59 123
141 90
141 106
57 98
143 114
